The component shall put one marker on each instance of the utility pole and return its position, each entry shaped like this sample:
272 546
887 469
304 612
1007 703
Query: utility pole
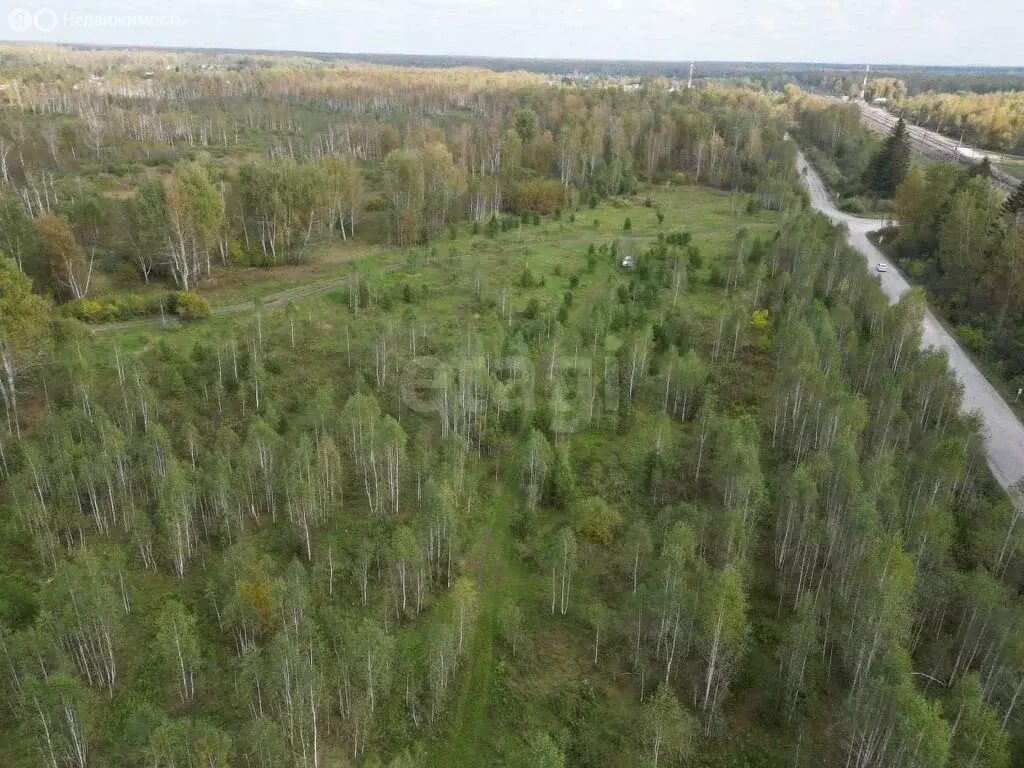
689 80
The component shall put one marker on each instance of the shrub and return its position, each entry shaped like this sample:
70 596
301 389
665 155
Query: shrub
718 277
539 195
115 308
128 273
974 339
627 225
852 205
191 306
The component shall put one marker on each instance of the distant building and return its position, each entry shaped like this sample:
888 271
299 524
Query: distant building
881 101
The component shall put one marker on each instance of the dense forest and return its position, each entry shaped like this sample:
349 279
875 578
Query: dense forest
961 239
253 163
592 445
778 74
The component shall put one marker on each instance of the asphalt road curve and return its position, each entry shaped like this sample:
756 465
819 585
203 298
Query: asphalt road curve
1005 440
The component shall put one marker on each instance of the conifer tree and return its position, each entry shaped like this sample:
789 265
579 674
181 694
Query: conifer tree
891 164
1014 205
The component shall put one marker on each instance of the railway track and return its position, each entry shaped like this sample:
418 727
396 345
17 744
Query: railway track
932 145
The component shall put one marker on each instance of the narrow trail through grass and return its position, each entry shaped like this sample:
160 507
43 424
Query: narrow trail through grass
466 732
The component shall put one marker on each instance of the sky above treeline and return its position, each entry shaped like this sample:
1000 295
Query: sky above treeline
930 32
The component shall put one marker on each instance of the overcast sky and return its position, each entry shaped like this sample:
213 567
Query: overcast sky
950 32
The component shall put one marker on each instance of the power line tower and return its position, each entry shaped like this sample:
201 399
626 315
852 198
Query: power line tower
864 85
689 80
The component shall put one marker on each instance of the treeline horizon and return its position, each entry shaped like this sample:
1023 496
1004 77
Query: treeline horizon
931 75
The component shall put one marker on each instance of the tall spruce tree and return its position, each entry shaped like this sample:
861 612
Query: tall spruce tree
891 164
1014 205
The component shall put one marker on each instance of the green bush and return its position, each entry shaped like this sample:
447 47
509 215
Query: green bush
852 205
115 308
718 277
128 273
191 306
974 339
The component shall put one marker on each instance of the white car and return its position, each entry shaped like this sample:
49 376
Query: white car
881 267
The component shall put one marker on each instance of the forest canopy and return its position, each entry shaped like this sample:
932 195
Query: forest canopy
361 415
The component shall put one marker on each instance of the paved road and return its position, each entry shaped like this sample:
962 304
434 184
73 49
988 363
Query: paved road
1005 442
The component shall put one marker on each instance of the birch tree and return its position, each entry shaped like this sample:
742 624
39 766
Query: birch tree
177 644
666 728
70 268
24 336
723 629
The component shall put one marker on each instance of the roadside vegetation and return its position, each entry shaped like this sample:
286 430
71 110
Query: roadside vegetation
592 447
955 235
862 171
965 243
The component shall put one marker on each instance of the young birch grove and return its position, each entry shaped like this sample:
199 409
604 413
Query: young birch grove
516 486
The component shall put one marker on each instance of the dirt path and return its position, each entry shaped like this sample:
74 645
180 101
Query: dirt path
272 300
466 730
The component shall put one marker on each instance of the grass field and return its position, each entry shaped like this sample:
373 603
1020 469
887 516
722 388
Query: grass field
1013 166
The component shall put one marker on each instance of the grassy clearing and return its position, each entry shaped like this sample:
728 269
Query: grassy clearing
1013 166
452 291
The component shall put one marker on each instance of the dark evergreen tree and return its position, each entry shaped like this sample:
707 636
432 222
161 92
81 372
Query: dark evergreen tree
982 169
891 164
1014 205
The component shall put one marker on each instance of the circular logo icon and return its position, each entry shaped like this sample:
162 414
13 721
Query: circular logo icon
19 20
45 20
